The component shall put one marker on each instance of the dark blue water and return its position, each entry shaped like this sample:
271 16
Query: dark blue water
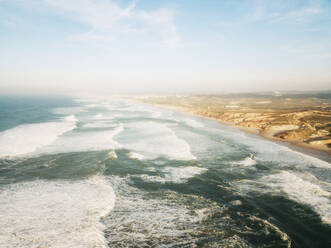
17 110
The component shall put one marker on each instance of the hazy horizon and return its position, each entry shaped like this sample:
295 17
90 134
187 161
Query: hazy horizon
132 47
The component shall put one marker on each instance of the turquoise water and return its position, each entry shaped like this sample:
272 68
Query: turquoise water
103 172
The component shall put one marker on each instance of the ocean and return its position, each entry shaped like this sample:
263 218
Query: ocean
110 172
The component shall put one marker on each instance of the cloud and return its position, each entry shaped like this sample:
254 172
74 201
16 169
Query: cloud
107 20
276 12
286 11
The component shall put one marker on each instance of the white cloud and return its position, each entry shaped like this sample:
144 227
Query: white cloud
286 11
278 12
107 20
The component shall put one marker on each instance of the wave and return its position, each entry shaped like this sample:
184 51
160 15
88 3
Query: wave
28 138
135 155
98 116
153 139
101 116
86 141
248 161
182 174
91 105
112 154
175 174
169 219
71 118
99 125
302 191
314 161
56 213
303 188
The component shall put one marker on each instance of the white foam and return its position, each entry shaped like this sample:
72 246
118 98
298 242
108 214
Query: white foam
248 161
55 213
134 107
176 174
314 161
137 217
191 122
135 155
101 116
172 116
269 150
86 141
109 107
125 115
98 116
112 154
98 125
181 174
71 118
300 188
28 138
91 105
154 139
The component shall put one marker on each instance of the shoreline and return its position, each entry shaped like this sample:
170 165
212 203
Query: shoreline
296 146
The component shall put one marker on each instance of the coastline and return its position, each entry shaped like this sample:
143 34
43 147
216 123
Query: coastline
307 149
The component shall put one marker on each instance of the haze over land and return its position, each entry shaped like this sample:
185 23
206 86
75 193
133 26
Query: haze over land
164 46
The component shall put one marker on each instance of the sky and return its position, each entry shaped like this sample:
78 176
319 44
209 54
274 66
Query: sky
164 46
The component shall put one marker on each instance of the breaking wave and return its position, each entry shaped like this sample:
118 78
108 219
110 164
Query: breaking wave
56 213
153 139
28 138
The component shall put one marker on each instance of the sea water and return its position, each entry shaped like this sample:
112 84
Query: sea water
108 172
